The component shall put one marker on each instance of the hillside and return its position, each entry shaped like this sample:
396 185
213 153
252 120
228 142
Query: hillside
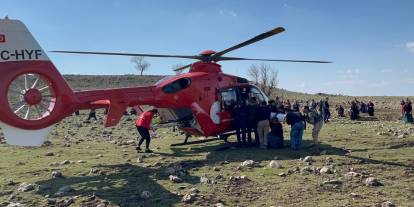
388 106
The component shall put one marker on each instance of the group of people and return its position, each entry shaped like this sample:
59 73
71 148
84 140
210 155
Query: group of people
355 108
264 122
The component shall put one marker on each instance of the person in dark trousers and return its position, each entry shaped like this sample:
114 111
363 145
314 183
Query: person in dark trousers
326 113
252 121
263 125
92 114
402 104
143 124
275 137
354 113
77 113
363 107
240 116
296 121
370 108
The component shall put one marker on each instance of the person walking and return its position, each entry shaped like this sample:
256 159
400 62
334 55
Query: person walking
295 120
143 124
312 117
263 116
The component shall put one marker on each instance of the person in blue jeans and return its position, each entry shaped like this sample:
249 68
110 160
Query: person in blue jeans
295 120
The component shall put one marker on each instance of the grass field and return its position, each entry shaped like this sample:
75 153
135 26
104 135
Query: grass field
100 167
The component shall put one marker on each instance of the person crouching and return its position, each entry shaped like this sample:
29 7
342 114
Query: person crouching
275 137
143 124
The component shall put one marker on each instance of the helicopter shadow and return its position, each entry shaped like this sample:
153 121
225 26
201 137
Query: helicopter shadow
120 184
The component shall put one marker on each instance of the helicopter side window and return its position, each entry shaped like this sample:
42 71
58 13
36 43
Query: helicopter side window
228 99
254 92
177 85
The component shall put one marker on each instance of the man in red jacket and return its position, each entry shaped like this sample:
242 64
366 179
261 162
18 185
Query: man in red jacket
143 124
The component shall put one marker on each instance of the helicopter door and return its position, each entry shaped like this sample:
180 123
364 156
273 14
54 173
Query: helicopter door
228 101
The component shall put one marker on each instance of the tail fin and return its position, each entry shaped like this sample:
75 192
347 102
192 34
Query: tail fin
33 94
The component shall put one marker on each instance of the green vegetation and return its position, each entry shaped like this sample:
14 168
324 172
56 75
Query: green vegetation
380 149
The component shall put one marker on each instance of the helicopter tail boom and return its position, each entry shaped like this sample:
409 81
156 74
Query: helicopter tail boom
34 95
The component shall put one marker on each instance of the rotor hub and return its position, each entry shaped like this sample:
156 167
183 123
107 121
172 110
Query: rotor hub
33 97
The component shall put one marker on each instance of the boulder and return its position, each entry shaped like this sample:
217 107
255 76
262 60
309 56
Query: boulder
57 174
387 204
371 181
25 187
175 179
275 164
248 163
326 170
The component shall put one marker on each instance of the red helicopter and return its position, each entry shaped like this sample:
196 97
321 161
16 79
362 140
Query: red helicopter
34 96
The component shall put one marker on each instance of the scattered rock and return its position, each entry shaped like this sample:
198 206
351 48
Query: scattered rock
333 182
326 170
47 143
218 205
205 180
371 181
15 205
351 175
275 164
54 164
65 162
57 174
282 174
146 195
387 204
248 163
189 198
401 136
329 160
175 179
99 156
308 159
50 154
81 161
25 187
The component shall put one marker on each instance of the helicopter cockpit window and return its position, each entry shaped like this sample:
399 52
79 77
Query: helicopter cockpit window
177 85
228 99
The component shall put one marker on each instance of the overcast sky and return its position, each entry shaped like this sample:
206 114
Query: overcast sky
371 42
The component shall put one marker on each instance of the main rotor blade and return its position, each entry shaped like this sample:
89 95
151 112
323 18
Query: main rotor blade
130 54
250 41
183 67
274 60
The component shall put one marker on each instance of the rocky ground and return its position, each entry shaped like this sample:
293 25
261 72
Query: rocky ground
363 163
368 163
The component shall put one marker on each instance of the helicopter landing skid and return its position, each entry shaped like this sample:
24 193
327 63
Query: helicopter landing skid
219 137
